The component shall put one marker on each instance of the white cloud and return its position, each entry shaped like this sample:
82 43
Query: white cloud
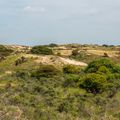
34 9
42 9
28 8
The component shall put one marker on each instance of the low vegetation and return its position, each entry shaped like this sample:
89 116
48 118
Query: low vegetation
36 91
4 51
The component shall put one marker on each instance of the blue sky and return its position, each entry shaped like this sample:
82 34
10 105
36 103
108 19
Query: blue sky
33 22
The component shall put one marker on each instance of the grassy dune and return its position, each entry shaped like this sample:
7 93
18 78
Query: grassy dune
53 90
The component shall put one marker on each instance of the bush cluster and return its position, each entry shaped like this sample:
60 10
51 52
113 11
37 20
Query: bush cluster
41 50
99 75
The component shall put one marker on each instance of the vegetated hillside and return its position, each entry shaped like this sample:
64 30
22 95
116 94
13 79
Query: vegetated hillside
54 82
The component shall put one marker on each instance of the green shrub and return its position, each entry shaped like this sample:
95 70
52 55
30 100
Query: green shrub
41 50
45 71
115 76
71 69
102 65
94 83
103 69
53 45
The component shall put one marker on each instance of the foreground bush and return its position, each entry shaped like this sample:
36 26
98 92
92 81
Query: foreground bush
93 83
41 50
102 65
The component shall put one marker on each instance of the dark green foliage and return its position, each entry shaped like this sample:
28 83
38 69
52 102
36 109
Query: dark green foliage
100 74
93 83
53 45
104 45
45 71
75 52
102 65
5 51
20 60
41 50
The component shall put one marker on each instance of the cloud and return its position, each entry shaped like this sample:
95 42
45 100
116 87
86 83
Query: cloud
42 9
27 8
34 9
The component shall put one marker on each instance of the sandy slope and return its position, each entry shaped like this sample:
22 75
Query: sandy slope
50 59
73 62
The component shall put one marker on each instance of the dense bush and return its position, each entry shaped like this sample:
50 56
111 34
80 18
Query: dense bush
102 65
100 73
71 69
5 51
93 83
41 50
45 71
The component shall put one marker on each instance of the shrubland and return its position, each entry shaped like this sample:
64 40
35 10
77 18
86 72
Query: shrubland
32 91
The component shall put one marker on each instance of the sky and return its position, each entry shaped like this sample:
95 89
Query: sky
32 22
